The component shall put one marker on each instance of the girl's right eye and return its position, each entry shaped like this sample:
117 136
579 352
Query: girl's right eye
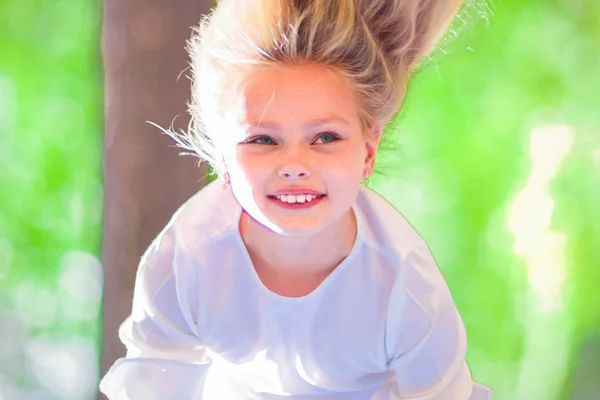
264 140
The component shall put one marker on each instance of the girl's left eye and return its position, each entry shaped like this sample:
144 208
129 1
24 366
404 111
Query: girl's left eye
327 138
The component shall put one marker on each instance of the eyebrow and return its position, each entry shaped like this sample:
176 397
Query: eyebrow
310 124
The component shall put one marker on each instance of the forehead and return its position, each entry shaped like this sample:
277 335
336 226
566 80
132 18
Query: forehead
283 94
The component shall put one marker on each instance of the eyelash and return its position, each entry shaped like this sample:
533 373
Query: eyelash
253 140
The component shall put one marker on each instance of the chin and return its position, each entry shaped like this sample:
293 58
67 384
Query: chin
297 226
297 231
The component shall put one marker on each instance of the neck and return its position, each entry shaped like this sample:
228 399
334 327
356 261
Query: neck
309 255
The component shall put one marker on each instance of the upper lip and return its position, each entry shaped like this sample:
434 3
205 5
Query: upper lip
296 191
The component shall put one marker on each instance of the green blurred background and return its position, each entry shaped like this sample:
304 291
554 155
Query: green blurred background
498 168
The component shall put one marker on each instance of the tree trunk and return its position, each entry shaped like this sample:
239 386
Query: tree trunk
145 179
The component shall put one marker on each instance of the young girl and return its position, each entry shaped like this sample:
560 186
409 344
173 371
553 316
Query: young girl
289 279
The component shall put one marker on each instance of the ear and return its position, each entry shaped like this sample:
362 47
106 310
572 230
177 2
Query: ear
371 145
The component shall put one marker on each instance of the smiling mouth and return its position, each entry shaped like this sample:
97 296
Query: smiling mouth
297 198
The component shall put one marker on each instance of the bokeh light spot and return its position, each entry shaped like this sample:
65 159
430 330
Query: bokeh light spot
81 277
67 369
36 304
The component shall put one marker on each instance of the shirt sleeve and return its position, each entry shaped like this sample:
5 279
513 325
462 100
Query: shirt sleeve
165 357
425 337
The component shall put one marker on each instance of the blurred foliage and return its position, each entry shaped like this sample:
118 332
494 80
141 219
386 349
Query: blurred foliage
51 198
499 171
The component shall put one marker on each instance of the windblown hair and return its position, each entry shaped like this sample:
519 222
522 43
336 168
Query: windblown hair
374 45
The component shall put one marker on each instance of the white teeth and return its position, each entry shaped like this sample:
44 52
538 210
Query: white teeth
302 198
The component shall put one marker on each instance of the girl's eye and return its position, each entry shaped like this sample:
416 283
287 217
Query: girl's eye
327 138
264 140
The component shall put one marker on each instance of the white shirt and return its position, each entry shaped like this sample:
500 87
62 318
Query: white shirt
381 326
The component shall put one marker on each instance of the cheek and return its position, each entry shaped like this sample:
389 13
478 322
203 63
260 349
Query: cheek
345 173
252 167
349 165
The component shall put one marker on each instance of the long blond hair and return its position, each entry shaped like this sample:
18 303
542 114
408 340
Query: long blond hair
374 45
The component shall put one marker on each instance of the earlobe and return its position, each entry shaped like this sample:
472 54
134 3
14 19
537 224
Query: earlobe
222 164
222 172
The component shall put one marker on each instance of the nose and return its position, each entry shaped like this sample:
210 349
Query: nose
294 170
294 161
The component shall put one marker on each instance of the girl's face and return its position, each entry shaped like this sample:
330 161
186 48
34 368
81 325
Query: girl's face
296 152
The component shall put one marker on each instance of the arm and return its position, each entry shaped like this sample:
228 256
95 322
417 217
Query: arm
165 358
425 338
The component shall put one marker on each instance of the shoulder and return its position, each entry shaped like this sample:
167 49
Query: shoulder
207 217
199 224
383 223
387 232
417 281
421 314
210 213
